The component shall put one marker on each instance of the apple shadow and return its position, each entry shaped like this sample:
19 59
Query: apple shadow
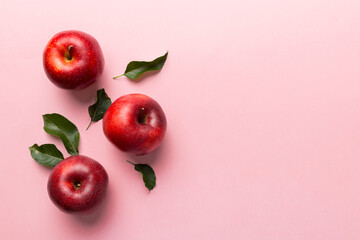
85 95
94 217
150 158
88 94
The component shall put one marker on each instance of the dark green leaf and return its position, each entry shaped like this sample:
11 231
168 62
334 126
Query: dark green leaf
57 125
148 174
47 154
98 109
135 68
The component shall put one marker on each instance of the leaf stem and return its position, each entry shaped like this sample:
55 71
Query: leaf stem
88 125
118 76
130 162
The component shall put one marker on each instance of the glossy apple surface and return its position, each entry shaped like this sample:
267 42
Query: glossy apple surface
135 123
78 184
73 60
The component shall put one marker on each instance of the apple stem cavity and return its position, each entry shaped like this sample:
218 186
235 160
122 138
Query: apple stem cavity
142 118
77 185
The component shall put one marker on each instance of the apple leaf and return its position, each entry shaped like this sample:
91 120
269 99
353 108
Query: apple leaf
47 154
136 68
57 125
98 109
147 173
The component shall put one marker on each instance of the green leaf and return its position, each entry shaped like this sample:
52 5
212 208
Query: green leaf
47 154
98 109
136 68
148 175
57 125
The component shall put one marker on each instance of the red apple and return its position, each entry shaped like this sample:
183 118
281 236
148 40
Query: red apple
73 60
135 123
78 184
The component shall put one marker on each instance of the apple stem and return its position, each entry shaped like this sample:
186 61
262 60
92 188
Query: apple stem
130 162
70 50
118 76
88 125
68 56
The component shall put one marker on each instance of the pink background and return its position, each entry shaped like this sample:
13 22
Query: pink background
263 106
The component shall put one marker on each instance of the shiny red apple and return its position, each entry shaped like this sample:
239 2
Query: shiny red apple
78 184
135 123
73 60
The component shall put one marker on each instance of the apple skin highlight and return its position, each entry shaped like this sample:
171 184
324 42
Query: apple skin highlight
135 123
78 184
73 60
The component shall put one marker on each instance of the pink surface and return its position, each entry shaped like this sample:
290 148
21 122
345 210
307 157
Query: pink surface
263 106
